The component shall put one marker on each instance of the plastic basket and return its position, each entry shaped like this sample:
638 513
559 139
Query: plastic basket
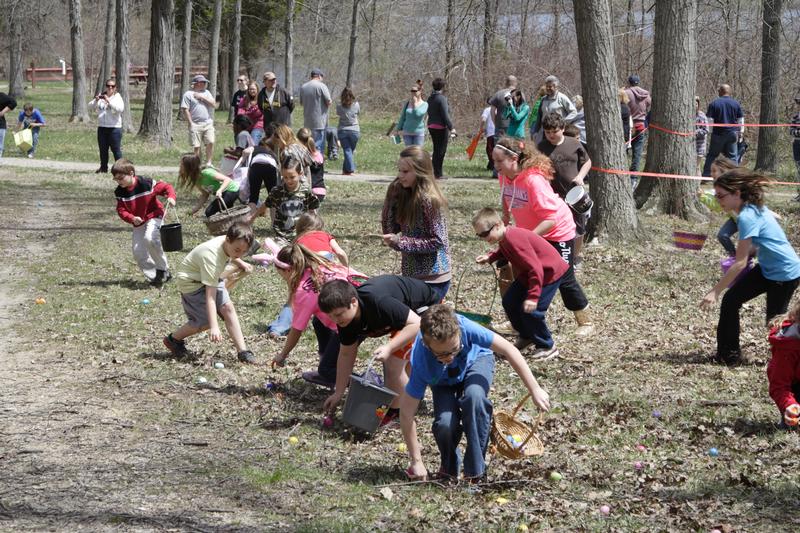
505 426
366 402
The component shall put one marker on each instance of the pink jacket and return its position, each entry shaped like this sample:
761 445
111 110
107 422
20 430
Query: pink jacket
530 200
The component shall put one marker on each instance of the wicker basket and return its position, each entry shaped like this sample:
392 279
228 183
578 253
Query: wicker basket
505 425
219 223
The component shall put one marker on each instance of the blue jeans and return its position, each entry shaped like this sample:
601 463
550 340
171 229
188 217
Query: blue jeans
2 140
35 135
464 409
440 289
257 134
283 322
637 146
724 143
319 138
724 236
109 138
414 140
349 140
530 326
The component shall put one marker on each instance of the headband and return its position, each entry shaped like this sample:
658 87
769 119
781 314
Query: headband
509 150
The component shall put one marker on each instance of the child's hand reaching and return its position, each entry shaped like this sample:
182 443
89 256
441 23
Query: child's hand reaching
529 306
540 398
279 360
137 221
482 259
382 353
391 239
416 471
171 201
214 334
792 415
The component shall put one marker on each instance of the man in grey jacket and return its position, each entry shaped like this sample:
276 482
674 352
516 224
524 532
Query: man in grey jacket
554 101
639 105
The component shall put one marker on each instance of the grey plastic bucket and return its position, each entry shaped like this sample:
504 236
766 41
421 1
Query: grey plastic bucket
363 400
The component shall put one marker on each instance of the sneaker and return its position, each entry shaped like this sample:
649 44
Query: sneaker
176 348
30 156
312 376
100 171
158 281
246 356
797 198
521 343
730 359
503 328
543 354
391 418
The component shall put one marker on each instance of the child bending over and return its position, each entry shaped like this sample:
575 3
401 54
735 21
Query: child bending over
204 296
289 199
783 370
453 356
210 182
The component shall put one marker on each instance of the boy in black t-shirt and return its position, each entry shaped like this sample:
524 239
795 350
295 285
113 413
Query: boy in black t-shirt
383 304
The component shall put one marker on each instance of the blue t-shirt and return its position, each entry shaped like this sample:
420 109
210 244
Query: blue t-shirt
724 110
778 260
476 341
36 116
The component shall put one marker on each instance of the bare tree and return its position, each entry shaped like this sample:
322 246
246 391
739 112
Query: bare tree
767 155
16 68
614 215
122 61
80 108
288 56
186 58
213 51
351 56
236 41
157 117
449 40
108 48
673 95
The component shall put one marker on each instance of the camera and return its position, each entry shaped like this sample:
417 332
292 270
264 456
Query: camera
507 96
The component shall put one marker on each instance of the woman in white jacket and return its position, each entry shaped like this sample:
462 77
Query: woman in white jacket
109 106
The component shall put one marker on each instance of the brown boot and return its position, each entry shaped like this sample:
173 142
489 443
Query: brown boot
585 326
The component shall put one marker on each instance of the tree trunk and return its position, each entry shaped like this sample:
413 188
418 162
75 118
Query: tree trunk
122 62
523 27
614 214
108 48
369 41
630 26
674 83
157 117
223 79
449 40
186 58
768 138
288 56
351 56
487 29
557 29
80 108
16 67
236 41
213 52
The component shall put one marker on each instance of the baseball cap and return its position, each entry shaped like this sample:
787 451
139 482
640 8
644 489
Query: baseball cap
633 79
199 79
269 76
317 72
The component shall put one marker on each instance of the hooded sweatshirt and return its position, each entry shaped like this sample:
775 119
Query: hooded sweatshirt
639 102
783 370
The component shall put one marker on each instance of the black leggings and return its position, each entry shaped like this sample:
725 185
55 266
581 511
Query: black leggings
571 291
439 138
261 174
215 207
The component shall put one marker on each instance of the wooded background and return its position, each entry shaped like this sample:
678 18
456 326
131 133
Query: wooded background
380 47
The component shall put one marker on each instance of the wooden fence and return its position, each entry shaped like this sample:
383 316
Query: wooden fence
137 73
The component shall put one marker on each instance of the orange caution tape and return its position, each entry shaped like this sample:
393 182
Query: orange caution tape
672 176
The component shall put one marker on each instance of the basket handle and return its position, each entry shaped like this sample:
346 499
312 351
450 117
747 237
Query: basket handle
494 294
536 422
174 210
222 203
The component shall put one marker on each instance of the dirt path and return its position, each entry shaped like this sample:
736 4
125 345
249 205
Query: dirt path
81 444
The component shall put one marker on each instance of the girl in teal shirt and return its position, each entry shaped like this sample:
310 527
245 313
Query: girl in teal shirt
412 120
517 112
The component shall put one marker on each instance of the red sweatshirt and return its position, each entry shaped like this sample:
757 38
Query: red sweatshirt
536 263
783 370
140 200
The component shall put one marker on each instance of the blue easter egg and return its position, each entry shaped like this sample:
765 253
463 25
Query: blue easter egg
713 452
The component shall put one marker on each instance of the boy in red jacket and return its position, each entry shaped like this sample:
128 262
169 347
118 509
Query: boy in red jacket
138 205
783 370
538 269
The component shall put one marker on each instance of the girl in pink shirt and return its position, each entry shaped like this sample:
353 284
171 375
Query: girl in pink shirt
305 272
527 196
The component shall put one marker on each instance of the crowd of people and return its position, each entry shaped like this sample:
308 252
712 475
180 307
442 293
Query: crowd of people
536 235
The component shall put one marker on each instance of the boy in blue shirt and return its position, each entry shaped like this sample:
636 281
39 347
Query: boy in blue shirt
454 356
31 117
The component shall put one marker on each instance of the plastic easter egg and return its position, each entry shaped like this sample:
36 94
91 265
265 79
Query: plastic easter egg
145 301
501 500
219 365
556 476
40 301
656 413
713 452
522 527
402 448
638 465
641 447
327 421
293 440
605 509
201 380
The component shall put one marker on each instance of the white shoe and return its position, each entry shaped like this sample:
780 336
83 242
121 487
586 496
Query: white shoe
30 156
503 328
543 354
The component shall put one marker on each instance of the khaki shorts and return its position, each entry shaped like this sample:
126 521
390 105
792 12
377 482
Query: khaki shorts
201 134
